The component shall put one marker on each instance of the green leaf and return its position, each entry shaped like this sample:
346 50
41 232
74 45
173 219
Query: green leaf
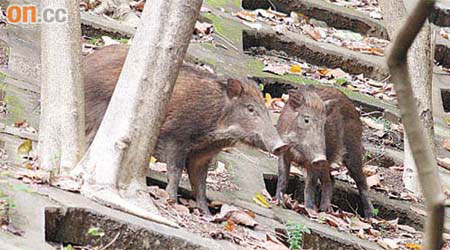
341 81
375 211
96 231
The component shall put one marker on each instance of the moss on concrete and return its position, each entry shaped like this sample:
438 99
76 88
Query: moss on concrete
223 3
227 28
15 108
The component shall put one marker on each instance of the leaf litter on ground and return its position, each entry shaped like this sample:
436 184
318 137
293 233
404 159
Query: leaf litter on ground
232 223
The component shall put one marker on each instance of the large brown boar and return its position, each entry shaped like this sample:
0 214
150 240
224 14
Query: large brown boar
323 128
204 115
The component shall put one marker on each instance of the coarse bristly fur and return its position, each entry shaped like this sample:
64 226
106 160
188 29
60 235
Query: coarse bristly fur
204 115
318 121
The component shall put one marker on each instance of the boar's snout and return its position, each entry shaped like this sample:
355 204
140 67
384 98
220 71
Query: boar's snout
273 142
279 148
319 160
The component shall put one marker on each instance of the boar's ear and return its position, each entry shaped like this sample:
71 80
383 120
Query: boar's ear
330 105
234 88
296 98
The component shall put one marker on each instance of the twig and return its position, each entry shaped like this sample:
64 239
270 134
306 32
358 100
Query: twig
273 5
110 243
421 151
230 43
375 158
355 211
371 113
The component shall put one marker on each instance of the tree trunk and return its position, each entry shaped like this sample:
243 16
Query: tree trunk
419 140
115 165
421 71
61 129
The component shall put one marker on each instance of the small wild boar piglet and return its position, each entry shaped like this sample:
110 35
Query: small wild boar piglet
204 115
323 128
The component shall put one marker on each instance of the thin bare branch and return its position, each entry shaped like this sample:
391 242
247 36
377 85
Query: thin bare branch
423 156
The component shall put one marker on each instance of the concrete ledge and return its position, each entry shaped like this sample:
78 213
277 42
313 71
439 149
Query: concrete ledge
334 15
317 53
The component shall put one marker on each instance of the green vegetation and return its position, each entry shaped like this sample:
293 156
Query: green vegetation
96 231
97 41
68 247
296 232
226 28
223 3
375 211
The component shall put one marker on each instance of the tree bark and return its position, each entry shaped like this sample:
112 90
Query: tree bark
421 71
419 141
115 165
61 129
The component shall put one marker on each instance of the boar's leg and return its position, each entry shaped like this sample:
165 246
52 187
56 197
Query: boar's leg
176 162
354 161
312 177
197 167
284 167
326 182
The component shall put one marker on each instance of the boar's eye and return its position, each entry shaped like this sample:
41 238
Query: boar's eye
306 119
250 108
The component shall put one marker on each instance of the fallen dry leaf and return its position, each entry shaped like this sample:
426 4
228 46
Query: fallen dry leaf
370 170
276 69
374 232
230 226
68 183
356 224
192 204
388 243
158 193
418 210
313 33
334 221
266 194
139 6
268 99
373 180
203 28
444 162
407 228
13 229
336 73
246 15
180 208
25 147
261 200
446 144
295 68
276 13
323 71
413 246
228 212
153 159
243 218
391 223
250 213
